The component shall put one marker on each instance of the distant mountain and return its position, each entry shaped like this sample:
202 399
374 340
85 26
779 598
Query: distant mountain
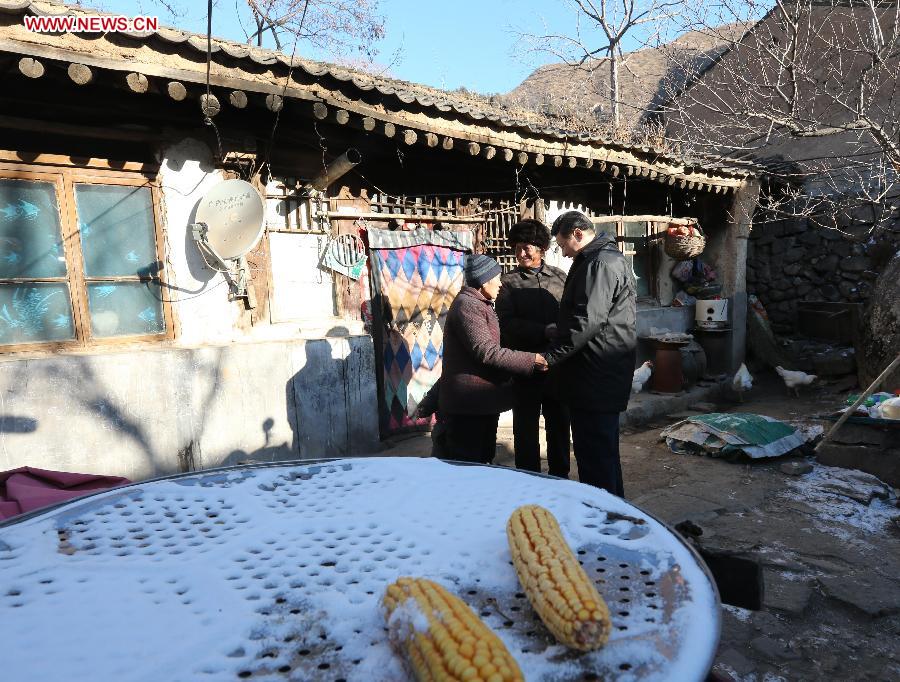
578 95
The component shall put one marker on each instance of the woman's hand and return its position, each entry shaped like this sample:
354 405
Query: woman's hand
540 363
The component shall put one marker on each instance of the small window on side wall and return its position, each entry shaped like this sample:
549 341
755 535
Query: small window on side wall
635 242
79 260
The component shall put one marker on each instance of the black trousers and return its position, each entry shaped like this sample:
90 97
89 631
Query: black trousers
596 439
472 437
531 399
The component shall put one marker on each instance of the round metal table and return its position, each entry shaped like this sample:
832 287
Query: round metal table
277 572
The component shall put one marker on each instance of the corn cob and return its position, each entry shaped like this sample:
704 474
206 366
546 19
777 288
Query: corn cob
554 582
442 638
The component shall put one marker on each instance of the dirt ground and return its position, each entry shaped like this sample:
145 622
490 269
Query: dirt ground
828 551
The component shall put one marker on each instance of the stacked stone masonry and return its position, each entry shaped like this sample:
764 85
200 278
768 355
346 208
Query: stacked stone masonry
815 259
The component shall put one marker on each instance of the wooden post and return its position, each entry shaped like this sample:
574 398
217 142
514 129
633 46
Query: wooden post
31 67
209 106
474 148
80 74
137 82
851 411
368 124
447 143
320 111
410 136
431 139
274 103
176 91
238 99
342 116
390 130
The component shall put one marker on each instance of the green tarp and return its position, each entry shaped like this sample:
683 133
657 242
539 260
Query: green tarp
719 434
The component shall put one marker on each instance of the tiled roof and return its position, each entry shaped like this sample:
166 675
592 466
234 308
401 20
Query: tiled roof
395 93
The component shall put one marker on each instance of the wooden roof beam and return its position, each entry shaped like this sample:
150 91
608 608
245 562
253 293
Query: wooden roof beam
31 67
80 74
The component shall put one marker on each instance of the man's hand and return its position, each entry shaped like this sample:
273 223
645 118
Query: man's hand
550 331
540 363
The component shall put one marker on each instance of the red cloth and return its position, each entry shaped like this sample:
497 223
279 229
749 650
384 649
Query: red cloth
27 488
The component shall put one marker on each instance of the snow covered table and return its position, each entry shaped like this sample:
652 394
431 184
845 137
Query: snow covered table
277 572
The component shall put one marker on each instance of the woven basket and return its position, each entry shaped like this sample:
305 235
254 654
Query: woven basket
681 247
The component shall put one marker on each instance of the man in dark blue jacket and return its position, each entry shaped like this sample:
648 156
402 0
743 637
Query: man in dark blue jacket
594 353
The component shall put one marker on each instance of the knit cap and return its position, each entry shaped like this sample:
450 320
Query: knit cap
480 269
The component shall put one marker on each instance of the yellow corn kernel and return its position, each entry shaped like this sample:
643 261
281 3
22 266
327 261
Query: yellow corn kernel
559 590
441 637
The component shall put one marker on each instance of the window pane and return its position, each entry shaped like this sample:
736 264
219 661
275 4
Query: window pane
635 229
125 309
641 274
31 313
30 241
117 230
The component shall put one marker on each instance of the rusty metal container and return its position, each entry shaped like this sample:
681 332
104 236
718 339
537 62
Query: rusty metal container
668 376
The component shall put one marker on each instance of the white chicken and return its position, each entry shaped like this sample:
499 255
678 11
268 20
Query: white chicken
641 375
794 380
742 381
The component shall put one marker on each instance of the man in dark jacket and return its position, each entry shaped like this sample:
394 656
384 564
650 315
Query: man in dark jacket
595 351
475 386
528 308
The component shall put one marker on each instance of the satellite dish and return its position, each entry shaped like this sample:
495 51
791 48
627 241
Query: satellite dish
233 214
229 223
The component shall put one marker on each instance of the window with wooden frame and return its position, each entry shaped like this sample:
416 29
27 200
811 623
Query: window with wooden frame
635 236
80 258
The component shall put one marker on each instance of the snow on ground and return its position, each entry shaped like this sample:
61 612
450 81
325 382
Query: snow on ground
197 578
839 495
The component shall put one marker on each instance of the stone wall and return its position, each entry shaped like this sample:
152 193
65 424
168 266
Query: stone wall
815 259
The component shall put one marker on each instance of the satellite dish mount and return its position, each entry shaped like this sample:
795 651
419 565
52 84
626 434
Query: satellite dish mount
229 224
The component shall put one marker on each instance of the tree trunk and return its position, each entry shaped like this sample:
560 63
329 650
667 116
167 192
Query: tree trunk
614 87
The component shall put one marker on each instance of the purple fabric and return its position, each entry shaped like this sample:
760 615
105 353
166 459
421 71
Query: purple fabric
476 368
27 488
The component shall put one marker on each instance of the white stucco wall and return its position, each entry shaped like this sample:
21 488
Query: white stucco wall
218 395
199 295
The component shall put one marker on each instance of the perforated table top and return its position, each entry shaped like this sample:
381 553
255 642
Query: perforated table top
277 572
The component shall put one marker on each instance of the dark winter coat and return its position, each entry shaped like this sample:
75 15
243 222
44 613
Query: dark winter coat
476 369
527 303
595 351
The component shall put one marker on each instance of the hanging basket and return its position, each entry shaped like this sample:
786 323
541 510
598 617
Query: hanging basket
684 246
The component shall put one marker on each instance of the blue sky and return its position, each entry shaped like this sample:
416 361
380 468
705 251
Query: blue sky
446 44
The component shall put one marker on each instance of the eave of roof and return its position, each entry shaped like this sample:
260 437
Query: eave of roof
441 114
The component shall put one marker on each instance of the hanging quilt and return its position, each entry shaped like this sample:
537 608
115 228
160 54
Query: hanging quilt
416 274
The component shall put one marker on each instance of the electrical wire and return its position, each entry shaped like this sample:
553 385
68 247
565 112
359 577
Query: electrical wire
207 119
287 80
